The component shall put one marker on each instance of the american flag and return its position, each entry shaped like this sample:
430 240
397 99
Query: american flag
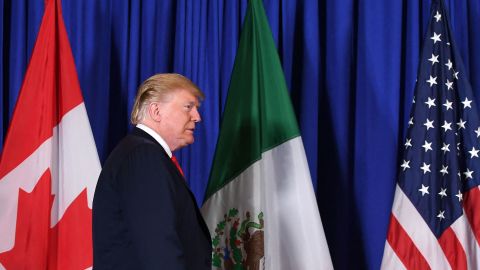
435 219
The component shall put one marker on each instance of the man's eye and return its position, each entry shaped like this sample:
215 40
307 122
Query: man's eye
189 107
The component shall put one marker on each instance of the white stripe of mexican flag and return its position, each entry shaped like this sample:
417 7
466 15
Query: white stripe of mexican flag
279 186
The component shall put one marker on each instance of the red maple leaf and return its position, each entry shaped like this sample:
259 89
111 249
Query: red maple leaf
68 245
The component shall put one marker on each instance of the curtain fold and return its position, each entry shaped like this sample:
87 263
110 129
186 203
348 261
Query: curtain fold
350 67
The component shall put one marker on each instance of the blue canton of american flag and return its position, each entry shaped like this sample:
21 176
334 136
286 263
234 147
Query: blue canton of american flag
435 221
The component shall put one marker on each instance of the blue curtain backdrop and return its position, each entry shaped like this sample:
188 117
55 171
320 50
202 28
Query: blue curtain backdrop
350 66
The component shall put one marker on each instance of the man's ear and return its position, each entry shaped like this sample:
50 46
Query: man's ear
154 112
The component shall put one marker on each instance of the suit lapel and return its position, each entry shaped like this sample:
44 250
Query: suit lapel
139 132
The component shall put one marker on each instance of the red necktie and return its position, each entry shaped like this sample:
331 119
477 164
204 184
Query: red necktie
175 161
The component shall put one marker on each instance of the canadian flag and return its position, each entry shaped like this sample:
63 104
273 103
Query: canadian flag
49 166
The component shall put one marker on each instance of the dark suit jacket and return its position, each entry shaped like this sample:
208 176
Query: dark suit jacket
144 215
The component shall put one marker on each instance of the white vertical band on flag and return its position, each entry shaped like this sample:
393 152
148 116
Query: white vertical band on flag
279 185
244 188
79 169
294 237
415 226
464 233
390 259
78 163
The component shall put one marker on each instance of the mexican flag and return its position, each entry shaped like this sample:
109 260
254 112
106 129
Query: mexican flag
260 206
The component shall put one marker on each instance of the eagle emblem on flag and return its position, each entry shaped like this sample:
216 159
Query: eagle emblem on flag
238 243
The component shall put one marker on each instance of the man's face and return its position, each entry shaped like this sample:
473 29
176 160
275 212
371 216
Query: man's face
178 118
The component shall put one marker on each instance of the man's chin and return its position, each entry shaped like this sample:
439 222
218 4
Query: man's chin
183 142
189 140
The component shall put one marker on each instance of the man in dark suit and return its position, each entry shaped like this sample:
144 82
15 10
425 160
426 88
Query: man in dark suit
144 215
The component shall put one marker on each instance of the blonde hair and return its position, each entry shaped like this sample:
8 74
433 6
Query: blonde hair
158 88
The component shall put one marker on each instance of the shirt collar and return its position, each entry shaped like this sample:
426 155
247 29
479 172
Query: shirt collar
157 137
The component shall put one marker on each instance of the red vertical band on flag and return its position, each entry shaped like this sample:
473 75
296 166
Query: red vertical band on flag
471 205
404 247
42 101
453 250
32 238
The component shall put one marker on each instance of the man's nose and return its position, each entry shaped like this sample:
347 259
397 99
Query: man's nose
195 115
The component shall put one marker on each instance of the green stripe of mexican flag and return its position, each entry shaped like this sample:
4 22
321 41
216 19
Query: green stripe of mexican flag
260 206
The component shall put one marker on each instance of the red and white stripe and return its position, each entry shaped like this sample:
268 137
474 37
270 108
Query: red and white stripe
70 155
412 245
